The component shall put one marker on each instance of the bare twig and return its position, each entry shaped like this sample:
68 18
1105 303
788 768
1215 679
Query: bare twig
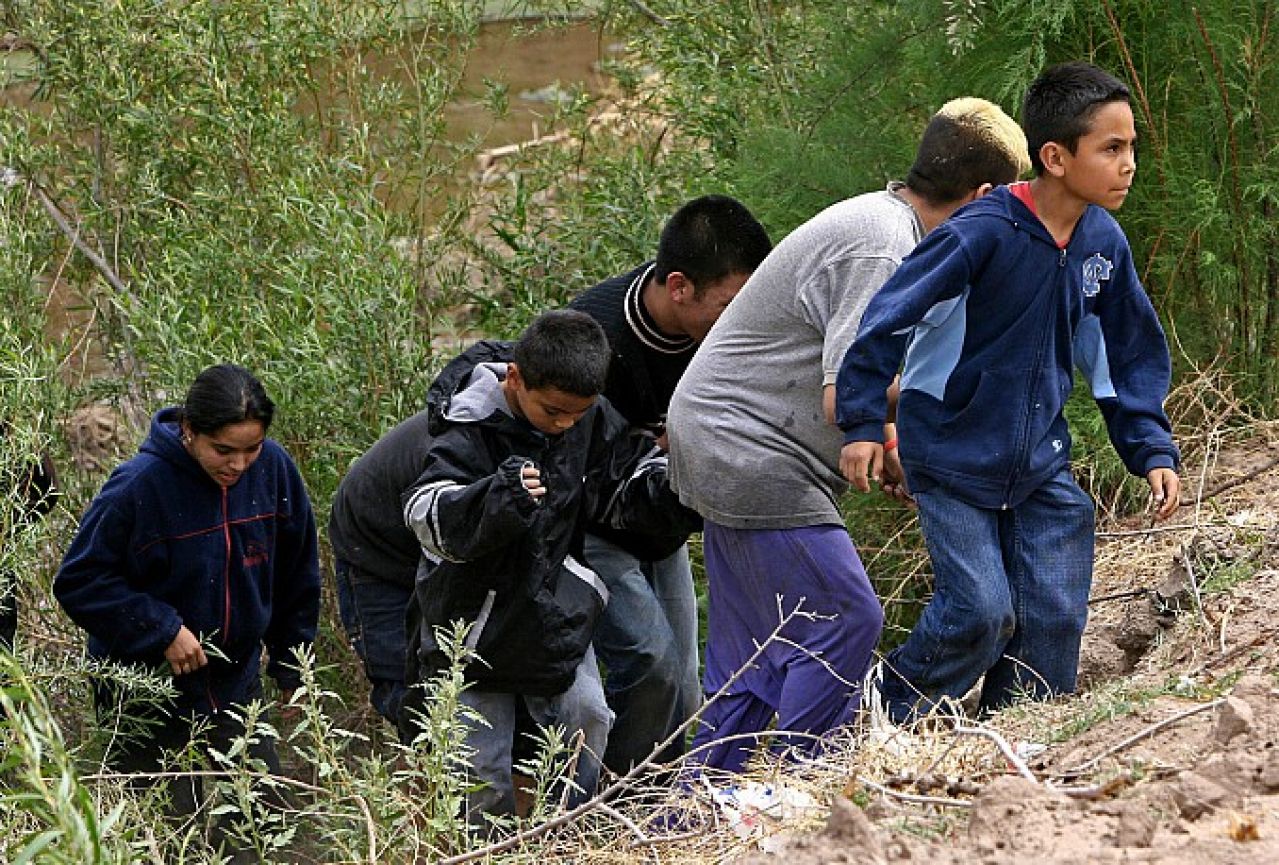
625 821
643 9
1194 586
99 263
1007 750
1144 733
1153 530
913 797
622 783
1235 482
1119 596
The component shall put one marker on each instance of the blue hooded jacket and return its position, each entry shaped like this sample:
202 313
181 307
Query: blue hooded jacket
992 318
163 545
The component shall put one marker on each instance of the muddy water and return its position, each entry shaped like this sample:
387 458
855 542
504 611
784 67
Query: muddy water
531 63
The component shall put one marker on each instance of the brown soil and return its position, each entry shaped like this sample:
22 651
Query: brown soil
1170 752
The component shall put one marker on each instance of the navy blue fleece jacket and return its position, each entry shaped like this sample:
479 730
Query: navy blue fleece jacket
992 318
163 546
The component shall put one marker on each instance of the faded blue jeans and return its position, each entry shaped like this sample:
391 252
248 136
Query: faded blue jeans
372 612
1010 602
647 641
579 710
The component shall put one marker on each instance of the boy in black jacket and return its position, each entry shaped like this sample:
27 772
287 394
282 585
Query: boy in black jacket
524 454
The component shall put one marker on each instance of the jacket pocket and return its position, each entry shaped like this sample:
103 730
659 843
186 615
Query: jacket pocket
569 611
979 437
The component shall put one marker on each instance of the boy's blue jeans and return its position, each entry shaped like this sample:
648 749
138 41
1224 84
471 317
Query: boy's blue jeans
647 641
1010 601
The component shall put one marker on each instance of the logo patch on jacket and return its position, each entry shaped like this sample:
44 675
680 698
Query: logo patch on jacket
255 553
1096 271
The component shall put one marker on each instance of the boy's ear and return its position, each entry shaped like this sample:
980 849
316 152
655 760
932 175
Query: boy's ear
984 189
679 287
1053 157
513 378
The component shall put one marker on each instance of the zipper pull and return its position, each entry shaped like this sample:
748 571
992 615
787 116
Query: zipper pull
1061 259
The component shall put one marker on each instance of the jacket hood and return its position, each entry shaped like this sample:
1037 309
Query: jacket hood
1002 203
455 376
164 440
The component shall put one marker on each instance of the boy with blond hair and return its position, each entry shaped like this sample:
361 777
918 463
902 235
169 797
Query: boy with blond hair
755 451
999 305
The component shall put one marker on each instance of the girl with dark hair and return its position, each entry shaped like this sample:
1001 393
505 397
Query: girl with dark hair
195 554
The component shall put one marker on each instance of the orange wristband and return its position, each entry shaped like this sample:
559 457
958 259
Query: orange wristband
890 445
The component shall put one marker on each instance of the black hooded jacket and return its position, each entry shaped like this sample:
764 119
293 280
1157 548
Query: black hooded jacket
504 562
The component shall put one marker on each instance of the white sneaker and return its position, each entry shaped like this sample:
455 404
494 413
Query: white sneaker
880 729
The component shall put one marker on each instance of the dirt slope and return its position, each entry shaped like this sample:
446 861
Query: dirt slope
1168 755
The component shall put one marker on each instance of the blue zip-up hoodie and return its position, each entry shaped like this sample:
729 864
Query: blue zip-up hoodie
163 545
996 317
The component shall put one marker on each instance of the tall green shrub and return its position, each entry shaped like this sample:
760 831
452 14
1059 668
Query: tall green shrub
810 102
223 171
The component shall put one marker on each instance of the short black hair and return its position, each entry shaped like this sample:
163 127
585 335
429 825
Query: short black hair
1061 102
564 349
710 238
226 394
969 142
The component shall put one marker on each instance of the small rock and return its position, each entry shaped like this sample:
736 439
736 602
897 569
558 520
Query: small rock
1137 632
898 850
1003 799
1195 795
1136 828
1269 777
1100 659
1235 718
850 825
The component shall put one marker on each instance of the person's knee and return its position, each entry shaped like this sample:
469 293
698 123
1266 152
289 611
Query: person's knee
651 664
990 626
595 720
981 621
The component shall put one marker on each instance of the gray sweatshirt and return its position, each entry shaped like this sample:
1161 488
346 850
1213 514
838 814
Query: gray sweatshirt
750 444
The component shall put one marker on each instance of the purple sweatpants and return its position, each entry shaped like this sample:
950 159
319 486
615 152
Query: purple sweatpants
810 677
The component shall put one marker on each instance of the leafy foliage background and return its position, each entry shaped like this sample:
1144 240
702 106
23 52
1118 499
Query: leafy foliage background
271 183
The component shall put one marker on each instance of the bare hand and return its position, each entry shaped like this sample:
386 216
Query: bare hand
861 463
185 654
894 483
1165 492
531 478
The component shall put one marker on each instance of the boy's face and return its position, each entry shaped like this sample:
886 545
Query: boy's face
1101 169
549 409
697 311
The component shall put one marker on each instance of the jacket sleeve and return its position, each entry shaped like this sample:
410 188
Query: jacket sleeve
461 509
93 587
630 486
1122 351
295 601
936 271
